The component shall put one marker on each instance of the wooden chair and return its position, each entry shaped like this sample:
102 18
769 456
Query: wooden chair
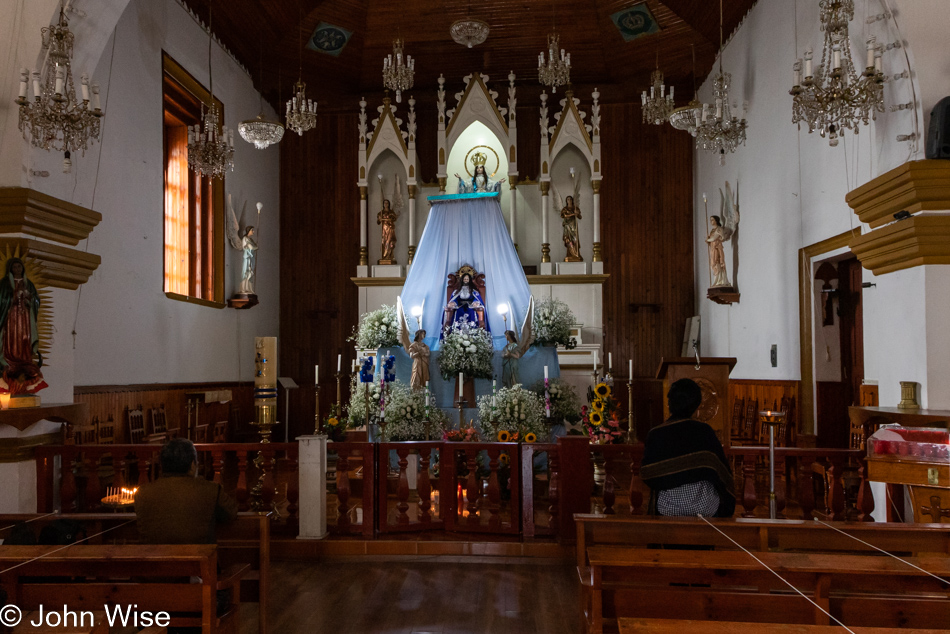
83 434
136 423
105 432
201 433
751 420
159 426
736 424
221 431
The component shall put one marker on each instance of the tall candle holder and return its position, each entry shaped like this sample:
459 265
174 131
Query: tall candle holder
339 391
265 405
772 419
631 428
317 423
460 404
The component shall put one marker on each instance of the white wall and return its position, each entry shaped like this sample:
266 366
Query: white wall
127 331
792 187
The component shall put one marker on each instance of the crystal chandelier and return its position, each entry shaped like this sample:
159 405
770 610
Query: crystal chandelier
556 70
687 117
469 32
657 106
301 112
833 97
259 130
210 144
398 70
719 130
56 119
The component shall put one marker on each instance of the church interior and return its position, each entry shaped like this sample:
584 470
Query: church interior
423 282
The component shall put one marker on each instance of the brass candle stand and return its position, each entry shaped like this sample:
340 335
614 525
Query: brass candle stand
339 391
317 423
631 428
772 419
265 406
266 419
460 404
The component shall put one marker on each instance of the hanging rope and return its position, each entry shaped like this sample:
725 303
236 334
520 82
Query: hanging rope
28 521
64 547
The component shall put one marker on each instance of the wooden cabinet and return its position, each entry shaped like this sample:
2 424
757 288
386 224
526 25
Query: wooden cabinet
712 375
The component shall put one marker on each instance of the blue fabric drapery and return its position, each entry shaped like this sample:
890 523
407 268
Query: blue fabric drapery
466 229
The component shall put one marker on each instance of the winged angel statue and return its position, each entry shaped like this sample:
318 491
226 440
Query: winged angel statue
387 217
244 240
721 228
515 348
570 214
417 349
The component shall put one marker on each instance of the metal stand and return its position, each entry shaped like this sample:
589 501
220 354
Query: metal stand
772 419
631 428
316 411
339 393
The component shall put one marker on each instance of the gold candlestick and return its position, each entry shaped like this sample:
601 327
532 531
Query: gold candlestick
265 405
317 423
460 405
631 428
339 392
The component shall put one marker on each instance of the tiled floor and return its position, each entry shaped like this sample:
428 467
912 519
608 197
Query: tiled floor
416 596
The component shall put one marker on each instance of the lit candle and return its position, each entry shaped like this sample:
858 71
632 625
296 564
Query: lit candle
545 373
461 382
630 370
4 401
316 375
339 360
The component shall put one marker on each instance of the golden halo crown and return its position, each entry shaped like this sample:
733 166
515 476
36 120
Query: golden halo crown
479 158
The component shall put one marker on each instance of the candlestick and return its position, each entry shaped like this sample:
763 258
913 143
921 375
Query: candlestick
339 392
630 371
339 360
631 428
316 375
317 423
461 405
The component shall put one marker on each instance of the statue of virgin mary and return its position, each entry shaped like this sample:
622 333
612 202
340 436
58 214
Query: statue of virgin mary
480 182
466 305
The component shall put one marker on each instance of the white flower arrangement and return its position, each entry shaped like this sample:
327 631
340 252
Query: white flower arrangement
356 408
552 321
377 329
516 410
404 407
468 349
565 405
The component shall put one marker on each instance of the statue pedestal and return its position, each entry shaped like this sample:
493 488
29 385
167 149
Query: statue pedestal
572 268
723 295
387 270
242 300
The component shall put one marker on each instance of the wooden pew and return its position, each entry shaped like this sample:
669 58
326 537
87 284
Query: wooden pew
244 541
154 578
677 626
757 535
862 590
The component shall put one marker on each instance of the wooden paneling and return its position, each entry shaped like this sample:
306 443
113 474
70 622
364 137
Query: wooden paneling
647 237
768 394
113 400
319 248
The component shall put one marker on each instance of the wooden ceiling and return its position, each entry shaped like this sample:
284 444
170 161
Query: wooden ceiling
599 55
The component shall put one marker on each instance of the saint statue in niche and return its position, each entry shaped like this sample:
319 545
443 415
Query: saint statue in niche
570 214
480 182
20 357
466 291
721 228
387 218
244 240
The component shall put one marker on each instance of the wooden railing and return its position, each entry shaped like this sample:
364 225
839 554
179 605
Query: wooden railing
531 490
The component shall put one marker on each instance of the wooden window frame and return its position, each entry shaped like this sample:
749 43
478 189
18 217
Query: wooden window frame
213 265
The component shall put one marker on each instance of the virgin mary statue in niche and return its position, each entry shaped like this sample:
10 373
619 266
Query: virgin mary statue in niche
465 303
480 183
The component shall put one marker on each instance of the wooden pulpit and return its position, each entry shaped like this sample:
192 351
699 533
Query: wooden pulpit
712 375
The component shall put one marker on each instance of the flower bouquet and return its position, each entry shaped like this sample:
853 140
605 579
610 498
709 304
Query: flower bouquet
377 329
466 349
511 414
406 414
565 406
599 420
469 434
552 322
334 425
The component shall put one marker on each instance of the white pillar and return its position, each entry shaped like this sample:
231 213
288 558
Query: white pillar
363 269
546 267
412 222
597 217
597 264
544 217
312 472
514 209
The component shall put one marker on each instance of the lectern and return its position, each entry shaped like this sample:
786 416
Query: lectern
712 375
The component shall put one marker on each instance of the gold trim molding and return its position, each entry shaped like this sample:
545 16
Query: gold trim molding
24 210
363 282
914 186
915 241
62 267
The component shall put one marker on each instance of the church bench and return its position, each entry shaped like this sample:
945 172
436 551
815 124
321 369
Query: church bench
864 590
245 541
678 626
757 535
152 578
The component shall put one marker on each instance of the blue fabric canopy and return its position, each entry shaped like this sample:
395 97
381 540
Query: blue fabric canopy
466 229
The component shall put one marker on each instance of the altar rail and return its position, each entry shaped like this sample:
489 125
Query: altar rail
526 490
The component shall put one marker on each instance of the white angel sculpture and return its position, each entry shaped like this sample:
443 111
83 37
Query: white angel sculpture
515 348
417 349
721 228
244 240
570 214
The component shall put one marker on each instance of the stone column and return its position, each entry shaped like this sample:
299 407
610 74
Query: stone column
412 223
598 265
312 471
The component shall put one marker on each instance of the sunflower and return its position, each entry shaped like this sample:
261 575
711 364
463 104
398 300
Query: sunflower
597 405
504 436
333 421
596 419
504 459
530 437
602 390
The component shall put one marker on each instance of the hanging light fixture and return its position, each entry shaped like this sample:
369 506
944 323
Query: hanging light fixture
469 32
833 98
301 112
259 131
657 106
719 130
56 119
210 143
398 70
687 117
556 69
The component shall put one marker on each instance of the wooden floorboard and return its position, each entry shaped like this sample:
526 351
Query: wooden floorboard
436 596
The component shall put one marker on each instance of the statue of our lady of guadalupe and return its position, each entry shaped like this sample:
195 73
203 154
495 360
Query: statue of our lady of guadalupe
480 181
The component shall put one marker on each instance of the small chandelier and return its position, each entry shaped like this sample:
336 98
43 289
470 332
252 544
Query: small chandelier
556 70
301 112
719 130
687 117
834 98
469 32
56 119
398 70
210 143
657 106
259 130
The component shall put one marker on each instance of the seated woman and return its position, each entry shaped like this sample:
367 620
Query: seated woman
465 302
480 182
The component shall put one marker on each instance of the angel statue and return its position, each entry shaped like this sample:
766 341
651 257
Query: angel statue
570 214
417 350
722 228
515 349
387 217
244 240
480 182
